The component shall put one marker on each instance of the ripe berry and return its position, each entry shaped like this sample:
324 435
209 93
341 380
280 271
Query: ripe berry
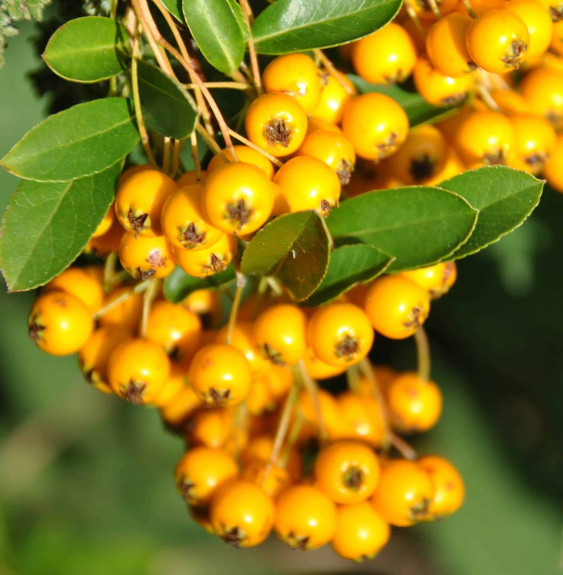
340 334
127 313
94 355
363 419
174 328
138 370
210 427
276 123
295 75
337 90
146 257
318 369
360 532
436 280
307 183
280 332
183 222
484 138
445 44
421 157
201 471
535 138
213 260
539 24
272 478
241 513
244 154
386 56
438 89
497 41
449 490
238 198
305 517
414 405
333 149
243 339
177 411
139 201
347 472
84 284
59 323
375 125
542 87
396 306
404 494
220 375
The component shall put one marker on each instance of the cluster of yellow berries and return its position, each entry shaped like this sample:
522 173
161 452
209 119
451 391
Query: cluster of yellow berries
501 59
246 400
245 395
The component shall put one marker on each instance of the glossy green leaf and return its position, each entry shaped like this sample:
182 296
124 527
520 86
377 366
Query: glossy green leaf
293 247
47 224
504 198
166 105
219 30
418 110
81 141
87 49
348 266
178 285
417 225
175 8
296 25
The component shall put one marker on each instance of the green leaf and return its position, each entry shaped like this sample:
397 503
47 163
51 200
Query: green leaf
219 30
415 106
296 25
178 285
81 141
417 225
87 49
504 197
46 225
293 247
175 8
348 266
166 104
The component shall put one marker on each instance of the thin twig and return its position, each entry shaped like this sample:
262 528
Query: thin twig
151 31
333 71
139 288
176 157
312 390
368 372
248 143
166 154
109 270
403 447
435 9
423 354
202 105
226 85
247 13
148 298
213 145
469 8
195 156
282 429
137 104
415 19
241 282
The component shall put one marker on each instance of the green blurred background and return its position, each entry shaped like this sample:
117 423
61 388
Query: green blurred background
86 481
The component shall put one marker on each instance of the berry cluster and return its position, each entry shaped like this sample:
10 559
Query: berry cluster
456 56
246 400
267 447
